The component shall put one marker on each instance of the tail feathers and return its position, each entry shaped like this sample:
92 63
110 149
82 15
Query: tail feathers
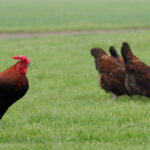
97 52
113 52
126 52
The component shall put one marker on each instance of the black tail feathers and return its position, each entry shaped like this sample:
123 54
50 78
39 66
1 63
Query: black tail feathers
113 52
126 52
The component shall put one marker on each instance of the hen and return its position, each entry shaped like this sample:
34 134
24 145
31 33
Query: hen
138 73
111 72
13 83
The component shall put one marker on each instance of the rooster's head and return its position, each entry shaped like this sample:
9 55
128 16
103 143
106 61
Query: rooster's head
22 64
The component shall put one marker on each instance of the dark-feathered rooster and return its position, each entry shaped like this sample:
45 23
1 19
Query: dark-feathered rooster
111 72
13 83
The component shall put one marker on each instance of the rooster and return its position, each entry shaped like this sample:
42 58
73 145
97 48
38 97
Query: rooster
138 73
111 73
13 83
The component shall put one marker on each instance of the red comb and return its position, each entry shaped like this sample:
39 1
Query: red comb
22 58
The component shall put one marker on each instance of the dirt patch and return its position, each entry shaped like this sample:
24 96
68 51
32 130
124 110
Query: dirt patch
41 34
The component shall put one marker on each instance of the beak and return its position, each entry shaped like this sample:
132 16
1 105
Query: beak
28 65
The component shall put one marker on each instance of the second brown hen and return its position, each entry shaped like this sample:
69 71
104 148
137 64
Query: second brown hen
138 73
111 72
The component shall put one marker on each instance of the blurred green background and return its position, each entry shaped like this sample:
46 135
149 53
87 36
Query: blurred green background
54 15
65 109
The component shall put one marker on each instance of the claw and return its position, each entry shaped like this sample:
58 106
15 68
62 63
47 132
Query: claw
114 96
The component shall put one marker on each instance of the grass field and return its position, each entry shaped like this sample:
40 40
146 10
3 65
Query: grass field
65 108
56 15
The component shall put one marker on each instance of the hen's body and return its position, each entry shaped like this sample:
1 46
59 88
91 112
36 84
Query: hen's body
111 72
138 73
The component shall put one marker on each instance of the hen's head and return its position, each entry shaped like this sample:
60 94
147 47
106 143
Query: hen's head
22 64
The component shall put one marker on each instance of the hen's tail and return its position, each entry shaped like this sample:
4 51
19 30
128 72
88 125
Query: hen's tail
126 52
113 52
98 53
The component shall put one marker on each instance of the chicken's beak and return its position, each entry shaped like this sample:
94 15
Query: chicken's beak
28 65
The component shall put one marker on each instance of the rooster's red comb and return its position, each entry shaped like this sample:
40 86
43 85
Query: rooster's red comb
22 58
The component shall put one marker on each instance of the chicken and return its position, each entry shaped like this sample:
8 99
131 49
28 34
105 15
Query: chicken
114 53
13 83
138 73
111 73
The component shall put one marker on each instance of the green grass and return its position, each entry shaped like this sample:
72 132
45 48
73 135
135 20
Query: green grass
64 107
56 15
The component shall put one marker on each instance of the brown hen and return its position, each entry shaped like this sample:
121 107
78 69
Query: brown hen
138 73
111 72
